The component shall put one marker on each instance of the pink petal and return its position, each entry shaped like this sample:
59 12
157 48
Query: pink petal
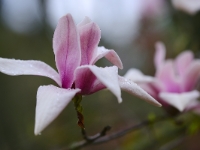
179 100
137 76
85 21
108 76
87 81
66 45
150 84
28 67
150 89
132 88
159 54
111 55
194 106
190 78
90 35
51 100
166 75
183 61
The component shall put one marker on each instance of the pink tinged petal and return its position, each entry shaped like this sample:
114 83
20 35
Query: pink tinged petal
191 77
194 106
137 76
85 21
15 67
66 45
150 89
160 53
110 55
87 81
51 100
179 100
183 61
108 76
90 35
132 88
196 110
166 75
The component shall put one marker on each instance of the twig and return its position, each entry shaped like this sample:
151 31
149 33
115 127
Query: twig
97 136
128 130
88 139
101 137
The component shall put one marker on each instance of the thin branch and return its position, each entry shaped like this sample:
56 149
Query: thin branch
128 130
97 136
102 138
88 139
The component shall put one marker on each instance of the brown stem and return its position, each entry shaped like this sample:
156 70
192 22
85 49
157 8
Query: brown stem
102 138
128 130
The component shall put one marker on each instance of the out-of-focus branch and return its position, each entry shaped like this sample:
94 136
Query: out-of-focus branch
130 129
174 143
102 138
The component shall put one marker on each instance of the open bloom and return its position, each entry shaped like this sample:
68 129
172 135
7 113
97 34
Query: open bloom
76 50
175 80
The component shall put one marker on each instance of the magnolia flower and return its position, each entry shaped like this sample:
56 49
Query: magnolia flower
175 80
189 6
76 51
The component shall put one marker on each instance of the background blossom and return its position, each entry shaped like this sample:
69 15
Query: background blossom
172 84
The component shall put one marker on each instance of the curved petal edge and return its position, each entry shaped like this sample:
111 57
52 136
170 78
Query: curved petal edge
51 100
108 76
15 67
132 88
110 55
179 101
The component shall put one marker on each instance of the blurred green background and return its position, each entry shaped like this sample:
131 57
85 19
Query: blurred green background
178 30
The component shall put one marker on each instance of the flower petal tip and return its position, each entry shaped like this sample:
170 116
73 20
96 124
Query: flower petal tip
37 133
132 88
119 100
154 102
159 105
51 101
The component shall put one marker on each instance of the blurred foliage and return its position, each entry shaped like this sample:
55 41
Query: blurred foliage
179 31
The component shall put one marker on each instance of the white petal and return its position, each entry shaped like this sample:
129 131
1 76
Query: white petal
137 76
15 67
51 100
133 88
179 100
193 105
109 77
110 55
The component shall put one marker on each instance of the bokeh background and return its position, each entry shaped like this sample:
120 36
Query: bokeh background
129 27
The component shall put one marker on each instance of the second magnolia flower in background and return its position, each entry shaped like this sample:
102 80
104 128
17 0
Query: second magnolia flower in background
175 81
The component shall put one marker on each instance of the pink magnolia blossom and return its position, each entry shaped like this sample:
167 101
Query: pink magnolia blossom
76 51
189 6
174 82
